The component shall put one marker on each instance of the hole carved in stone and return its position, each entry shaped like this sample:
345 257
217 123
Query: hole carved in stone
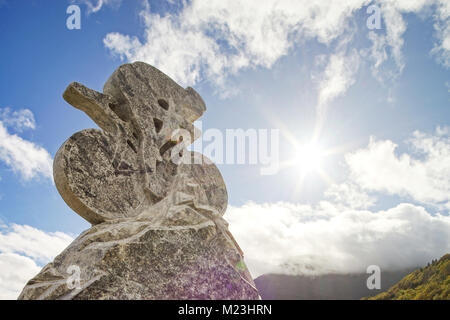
158 124
163 104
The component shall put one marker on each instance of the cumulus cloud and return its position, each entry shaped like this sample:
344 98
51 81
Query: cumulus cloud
15 271
34 243
423 175
302 239
23 251
24 157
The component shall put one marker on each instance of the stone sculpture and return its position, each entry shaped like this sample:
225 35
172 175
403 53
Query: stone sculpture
157 227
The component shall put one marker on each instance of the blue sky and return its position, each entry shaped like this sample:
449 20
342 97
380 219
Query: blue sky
277 65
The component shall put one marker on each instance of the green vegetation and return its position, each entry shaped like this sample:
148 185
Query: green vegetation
429 283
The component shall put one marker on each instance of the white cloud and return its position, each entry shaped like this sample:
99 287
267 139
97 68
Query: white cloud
423 175
211 40
22 248
302 239
338 76
24 157
349 195
214 39
388 42
442 26
34 243
15 271
18 120
395 28
377 53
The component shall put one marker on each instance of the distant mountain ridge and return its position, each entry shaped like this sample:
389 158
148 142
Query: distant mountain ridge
429 283
324 287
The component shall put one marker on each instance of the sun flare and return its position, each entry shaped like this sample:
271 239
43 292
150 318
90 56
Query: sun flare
308 158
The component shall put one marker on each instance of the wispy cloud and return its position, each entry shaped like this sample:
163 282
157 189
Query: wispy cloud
212 40
388 42
442 26
96 5
18 120
338 76
336 79
215 39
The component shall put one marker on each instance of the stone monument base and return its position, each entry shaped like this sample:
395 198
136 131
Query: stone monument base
136 260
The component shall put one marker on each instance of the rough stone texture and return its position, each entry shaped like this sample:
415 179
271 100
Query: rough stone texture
158 231
138 260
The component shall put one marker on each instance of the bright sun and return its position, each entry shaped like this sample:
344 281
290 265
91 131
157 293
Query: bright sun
309 158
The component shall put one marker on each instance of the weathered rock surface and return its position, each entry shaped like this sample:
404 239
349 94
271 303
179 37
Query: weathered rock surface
158 231
126 167
136 260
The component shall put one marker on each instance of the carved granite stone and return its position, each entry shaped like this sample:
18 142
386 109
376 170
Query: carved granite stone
158 231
